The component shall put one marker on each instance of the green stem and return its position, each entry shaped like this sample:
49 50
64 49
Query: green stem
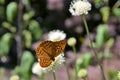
54 76
41 77
84 78
87 30
67 71
74 50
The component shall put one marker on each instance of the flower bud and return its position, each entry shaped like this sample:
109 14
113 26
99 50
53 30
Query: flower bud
82 73
14 77
71 41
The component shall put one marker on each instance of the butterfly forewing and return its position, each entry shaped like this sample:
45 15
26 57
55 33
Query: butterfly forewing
44 47
58 47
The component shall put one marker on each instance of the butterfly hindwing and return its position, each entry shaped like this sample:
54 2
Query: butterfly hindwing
43 51
45 61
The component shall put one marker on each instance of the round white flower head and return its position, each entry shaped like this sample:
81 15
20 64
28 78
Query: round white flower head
71 41
37 69
79 7
56 35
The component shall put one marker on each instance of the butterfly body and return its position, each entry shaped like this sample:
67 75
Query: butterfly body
48 50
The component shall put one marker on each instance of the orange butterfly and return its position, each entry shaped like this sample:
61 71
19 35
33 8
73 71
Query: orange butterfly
48 50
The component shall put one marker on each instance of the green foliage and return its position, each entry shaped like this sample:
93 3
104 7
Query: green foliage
28 16
11 11
2 71
2 2
105 11
9 26
5 43
110 43
86 58
112 74
102 34
98 2
2 11
28 38
26 3
26 65
106 55
34 27
116 12
84 61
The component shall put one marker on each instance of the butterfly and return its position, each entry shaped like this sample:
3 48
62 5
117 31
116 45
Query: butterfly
48 50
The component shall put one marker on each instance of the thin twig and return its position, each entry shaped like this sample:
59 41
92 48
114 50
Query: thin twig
19 33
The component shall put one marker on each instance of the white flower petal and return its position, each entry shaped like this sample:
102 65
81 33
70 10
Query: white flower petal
37 69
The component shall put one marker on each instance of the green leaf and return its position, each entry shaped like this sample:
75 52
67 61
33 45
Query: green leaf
116 12
105 11
2 2
102 34
28 38
28 16
112 74
26 3
9 26
26 65
34 27
5 43
98 3
86 58
110 43
11 11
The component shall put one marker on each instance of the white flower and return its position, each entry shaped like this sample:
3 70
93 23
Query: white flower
37 69
71 41
56 35
79 7
57 63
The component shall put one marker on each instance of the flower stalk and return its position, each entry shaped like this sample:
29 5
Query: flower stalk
67 70
74 50
91 45
54 76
